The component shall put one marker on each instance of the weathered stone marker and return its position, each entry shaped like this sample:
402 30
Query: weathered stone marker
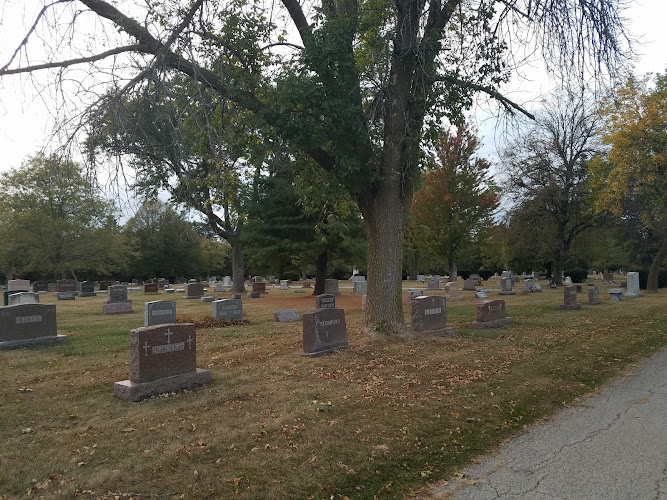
506 286
87 289
452 291
469 285
194 290
491 314
359 287
324 330
331 287
18 285
163 358
570 298
286 315
17 298
25 325
227 309
219 287
284 285
433 285
259 287
66 286
633 286
615 294
593 295
117 301
325 301
429 315
158 312
151 288
529 286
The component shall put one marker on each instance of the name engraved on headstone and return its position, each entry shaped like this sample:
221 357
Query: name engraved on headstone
28 319
227 309
325 301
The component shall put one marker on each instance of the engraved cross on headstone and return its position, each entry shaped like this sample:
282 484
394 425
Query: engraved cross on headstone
168 335
190 341
146 347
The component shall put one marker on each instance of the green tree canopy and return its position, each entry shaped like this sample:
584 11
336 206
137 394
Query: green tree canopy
58 220
164 244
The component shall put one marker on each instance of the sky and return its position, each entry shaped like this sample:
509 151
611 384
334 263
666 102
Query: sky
25 123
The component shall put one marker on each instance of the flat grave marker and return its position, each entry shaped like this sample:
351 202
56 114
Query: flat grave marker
286 315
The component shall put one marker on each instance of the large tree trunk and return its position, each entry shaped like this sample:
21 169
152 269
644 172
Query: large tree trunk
453 273
385 216
654 272
414 267
238 276
321 272
9 273
558 266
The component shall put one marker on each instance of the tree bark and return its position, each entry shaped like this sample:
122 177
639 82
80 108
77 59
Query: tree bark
558 266
385 217
9 273
321 272
654 271
453 276
414 268
238 277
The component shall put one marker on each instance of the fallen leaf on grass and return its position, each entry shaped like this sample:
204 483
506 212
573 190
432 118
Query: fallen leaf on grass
26 430
128 429
24 389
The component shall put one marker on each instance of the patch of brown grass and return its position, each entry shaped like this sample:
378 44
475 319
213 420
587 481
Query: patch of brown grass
380 419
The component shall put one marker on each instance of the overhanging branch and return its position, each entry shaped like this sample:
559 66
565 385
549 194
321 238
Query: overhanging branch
508 104
70 62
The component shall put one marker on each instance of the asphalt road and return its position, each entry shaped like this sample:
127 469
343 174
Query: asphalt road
610 446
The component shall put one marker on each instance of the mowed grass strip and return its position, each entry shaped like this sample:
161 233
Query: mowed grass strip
382 419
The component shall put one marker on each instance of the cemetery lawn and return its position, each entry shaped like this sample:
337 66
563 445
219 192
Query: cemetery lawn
382 419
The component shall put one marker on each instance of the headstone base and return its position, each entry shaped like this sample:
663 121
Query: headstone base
87 294
193 296
117 308
507 293
496 323
64 296
570 307
325 351
440 332
207 298
20 344
133 391
633 295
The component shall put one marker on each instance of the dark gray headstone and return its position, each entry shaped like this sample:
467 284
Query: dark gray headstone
433 285
324 330
331 287
325 301
28 324
227 309
117 293
87 289
429 315
360 287
194 290
159 312
40 286
65 295
66 286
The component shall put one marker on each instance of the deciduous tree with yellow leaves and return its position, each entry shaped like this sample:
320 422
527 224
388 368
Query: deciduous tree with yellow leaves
631 177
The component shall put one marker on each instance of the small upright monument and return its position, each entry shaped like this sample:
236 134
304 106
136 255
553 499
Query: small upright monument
429 315
570 298
506 284
491 314
25 325
633 286
117 301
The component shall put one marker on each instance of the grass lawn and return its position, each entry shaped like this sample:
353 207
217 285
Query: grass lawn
382 419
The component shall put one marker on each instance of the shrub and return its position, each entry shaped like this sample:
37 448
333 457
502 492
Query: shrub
210 321
485 275
577 275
